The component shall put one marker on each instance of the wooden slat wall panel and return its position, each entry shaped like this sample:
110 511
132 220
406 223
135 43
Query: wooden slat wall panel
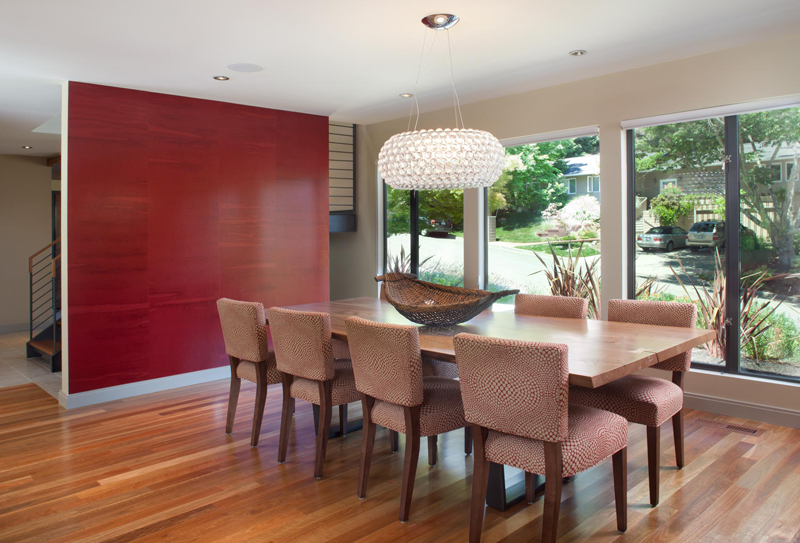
341 163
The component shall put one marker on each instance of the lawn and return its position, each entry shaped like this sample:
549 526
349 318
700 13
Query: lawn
561 249
520 227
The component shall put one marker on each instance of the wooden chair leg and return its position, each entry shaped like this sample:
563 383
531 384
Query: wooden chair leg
325 412
261 401
432 450
468 440
552 490
367 444
233 398
343 419
410 460
620 465
530 487
480 481
286 416
394 440
654 461
677 430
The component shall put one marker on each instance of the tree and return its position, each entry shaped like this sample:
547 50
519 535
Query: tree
696 145
671 205
433 205
537 183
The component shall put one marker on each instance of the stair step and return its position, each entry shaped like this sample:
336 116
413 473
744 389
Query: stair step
45 346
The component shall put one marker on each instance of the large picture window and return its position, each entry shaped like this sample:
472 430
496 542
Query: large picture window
542 214
717 225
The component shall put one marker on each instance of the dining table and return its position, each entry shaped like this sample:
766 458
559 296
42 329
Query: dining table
599 351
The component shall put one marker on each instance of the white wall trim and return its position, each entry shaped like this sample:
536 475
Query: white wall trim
719 111
552 136
743 410
82 399
64 237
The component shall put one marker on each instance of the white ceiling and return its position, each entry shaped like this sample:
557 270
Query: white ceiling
346 58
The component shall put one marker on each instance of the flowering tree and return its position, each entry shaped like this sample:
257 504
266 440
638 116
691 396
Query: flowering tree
579 214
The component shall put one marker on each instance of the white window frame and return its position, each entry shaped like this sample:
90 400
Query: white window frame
590 184
662 182
569 181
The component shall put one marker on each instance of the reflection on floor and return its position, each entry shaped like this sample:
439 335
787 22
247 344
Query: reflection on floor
15 369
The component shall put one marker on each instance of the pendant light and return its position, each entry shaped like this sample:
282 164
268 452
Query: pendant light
450 158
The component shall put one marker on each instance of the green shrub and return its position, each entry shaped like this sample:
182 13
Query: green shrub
779 342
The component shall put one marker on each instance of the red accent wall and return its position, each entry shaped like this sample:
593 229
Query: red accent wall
173 203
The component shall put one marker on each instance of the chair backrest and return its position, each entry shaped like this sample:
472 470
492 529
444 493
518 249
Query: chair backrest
567 307
386 360
515 387
660 314
302 343
244 329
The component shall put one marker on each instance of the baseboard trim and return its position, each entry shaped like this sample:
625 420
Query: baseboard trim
11 328
743 410
102 395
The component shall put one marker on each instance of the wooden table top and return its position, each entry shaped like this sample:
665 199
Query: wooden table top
599 351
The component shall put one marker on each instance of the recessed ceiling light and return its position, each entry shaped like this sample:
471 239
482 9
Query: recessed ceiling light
27 147
245 67
221 77
406 95
577 53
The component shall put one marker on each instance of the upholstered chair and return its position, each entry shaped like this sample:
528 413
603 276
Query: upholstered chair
648 400
565 307
304 354
433 368
244 330
396 395
516 397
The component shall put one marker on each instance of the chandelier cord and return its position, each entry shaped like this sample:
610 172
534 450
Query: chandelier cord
421 67
457 104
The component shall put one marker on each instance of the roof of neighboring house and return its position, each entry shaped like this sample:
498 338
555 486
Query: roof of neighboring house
583 165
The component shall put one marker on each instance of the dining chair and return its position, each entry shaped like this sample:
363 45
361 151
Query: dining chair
244 331
516 397
396 395
566 307
648 400
304 355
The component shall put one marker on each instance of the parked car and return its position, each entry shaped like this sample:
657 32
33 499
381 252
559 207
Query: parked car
434 227
711 234
662 237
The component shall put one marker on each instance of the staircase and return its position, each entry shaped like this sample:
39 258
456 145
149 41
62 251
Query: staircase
44 268
645 222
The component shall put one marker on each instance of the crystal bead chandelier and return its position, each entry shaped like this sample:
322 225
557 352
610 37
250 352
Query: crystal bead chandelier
457 158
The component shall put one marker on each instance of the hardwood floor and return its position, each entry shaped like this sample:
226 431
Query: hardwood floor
160 468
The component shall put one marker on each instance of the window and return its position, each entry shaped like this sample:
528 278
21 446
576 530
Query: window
593 183
572 186
534 210
739 263
425 234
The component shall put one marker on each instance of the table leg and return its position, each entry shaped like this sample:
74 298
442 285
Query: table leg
352 425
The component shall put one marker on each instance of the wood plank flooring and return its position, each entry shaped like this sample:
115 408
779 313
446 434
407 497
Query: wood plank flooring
160 468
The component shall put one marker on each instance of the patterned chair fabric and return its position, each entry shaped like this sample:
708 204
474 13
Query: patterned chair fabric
515 387
341 351
593 436
441 409
566 307
660 314
343 386
247 371
244 329
386 361
643 400
302 342
438 368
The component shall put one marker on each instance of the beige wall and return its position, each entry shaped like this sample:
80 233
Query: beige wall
732 76
755 72
25 227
